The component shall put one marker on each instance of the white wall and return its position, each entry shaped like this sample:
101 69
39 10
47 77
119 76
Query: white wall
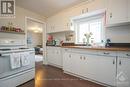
120 34
19 21
62 36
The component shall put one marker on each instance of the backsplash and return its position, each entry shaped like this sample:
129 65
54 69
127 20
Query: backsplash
112 33
65 36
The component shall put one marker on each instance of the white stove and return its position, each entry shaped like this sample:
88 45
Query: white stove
17 63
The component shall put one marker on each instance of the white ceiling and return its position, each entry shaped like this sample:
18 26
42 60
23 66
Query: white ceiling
46 7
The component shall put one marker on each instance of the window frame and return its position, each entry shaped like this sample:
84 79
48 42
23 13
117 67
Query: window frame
89 19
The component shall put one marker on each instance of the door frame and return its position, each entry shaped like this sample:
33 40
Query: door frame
43 36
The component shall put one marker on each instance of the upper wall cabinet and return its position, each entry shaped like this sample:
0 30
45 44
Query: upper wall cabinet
58 23
117 12
93 5
61 21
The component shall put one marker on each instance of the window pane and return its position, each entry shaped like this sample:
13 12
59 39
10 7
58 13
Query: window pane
93 26
96 29
83 28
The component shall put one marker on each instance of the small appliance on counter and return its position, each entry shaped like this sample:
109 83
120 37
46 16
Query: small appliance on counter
51 43
58 42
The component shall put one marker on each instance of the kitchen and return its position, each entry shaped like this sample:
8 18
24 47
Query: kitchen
85 43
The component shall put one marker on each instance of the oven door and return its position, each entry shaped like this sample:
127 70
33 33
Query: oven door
5 66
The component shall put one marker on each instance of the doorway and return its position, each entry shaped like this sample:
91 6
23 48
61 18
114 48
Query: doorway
36 38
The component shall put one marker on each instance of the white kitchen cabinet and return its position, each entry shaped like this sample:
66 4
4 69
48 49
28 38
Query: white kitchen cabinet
117 12
69 62
97 68
61 21
50 26
93 6
123 69
123 72
54 56
100 67
50 54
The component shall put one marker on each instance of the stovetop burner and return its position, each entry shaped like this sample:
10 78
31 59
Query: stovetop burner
23 48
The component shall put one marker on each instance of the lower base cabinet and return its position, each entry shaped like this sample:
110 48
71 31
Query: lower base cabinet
123 72
102 69
54 56
98 68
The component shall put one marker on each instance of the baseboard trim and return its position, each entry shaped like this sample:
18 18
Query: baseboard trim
88 79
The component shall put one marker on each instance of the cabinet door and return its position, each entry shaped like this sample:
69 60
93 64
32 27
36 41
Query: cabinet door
67 59
117 11
58 57
123 72
101 68
50 25
70 62
93 5
49 55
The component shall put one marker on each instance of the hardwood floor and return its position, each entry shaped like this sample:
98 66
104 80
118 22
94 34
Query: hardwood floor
48 76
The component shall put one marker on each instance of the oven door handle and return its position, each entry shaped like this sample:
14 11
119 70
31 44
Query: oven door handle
2 55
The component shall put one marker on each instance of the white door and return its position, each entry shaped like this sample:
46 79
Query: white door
50 55
106 71
123 72
67 61
117 11
57 56
101 68
70 62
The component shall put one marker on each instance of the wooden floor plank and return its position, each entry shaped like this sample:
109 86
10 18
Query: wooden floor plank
48 76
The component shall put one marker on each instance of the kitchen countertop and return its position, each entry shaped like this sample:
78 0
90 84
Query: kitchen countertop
99 48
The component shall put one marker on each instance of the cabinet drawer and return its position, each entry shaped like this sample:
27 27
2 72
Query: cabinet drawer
84 51
124 54
107 53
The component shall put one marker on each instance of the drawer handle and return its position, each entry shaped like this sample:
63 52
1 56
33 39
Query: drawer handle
84 58
120 63
81 57
113 61
106 53
127 54
66 49
69 56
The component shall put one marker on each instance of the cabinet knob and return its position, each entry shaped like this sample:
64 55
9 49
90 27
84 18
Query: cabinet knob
113 61
83 11
71 24
66 49
70 56
110 15
106 53
81 57
120 63
86 9
84 58
127 54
